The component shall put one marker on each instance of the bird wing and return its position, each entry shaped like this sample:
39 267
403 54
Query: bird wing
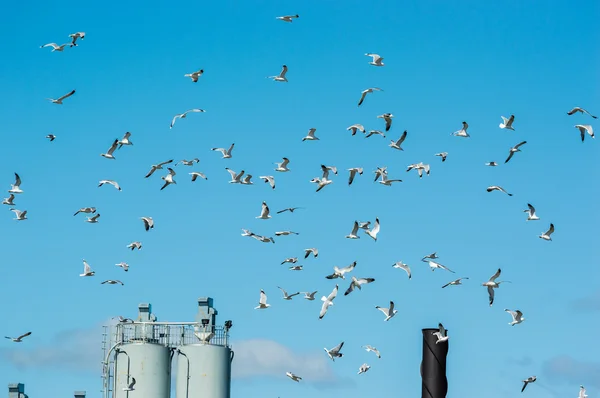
263 297
531 208
520 143
519 314
375 229
362 97
511 119
333 293
233 173
363 281
354 228
402 138
510 155
23 335
496 275
491 294
350 288
283 71
391 307
348 268
265 210
550 230
66 95
285 162
324 308
442 329
113 147
17 180
175 118
337 348
512 313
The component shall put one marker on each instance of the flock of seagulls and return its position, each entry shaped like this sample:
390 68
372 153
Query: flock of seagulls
359 229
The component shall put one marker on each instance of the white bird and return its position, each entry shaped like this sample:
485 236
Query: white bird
292 260
16 187
497 188
455 282
281 77
125 140
432 256
374 231
148 222
433 265
328 301
109 153
20 215
268 179
313 250
186 162
356 283
363 368
365 92
375 132
582 393
354 233
235 177
355 127
135 245
263 239
374 350
113 282
531 210
288 18
403 266
578 109
110 182
51 137
157 167
583 128
130 386
168 179
441 334
196 174
123 265
420 167
388 312
335 352
443 155
18 339
507 123
184 115
247 232
492 164
380 172
264 213
293 376
385 181
311 135
321 183
462 132
59 101
491 284
246 180
226 152
546 235
287 296
364 225
353 171
517 317
530 379
388 120
296 268
310 296
87 270
340 272
75 36
10 200
514 150
282 167
376 59
262 302
326 170
194 75
55 47
397 144
286 233
94 219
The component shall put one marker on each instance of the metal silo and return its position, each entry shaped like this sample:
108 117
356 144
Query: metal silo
204 358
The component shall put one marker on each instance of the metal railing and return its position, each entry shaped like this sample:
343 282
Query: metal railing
169 334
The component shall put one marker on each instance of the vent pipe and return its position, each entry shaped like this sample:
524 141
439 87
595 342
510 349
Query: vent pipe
433 367
16 390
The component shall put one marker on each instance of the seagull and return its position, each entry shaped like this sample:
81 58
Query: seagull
403 266
514 150
455 282
226 152
196 174
419 167
531 216
135 245
286 233
157 167
75 36
55 47
125 140
375 132
110 182
246 180
432 256
281 77
373 350
492 284
282 167
335 352
311 135
184 115
87 210
59 101
290 209
262 302
354 233
353 172
148 222
109 153
356 283
328 301
384 180
287 296
113 282
442 334
356 127
388 312
291 375
374 231
296 268
16 187
288 18
396 144
51 137
87 270
377 60
363 368
517 317
131 385
497 188
380 172
21 215
168 179
263 239
94 219
433 265
10 200
292 260
309 296
388 120
462 132
528 380
264 214
18 339
578 109
582 393
321 183
583 128
235 177
326 170
492 164
269 179
313 250
442 155
194 75
546 235
188 162
339 272
507 123
367 91
125 266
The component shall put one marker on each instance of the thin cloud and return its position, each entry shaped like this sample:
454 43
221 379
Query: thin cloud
567 369
587 304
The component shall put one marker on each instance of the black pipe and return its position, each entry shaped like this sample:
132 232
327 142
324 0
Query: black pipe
433 367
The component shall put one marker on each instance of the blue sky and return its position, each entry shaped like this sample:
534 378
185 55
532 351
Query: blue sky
444 63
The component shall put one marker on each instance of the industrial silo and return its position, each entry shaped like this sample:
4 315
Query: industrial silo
204 357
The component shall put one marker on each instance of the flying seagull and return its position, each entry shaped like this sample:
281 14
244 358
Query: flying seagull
432 256
335 352
59 101
354 233
373 350
264 214
235 177
462 132
226 152
268 179
546 235
455 282
492 284
507 123
290 209
281 77
18 339
288 18
10 200
328 301
113 282
296 268
443 155
123 265
148 223
311 135
135 245
376 59
194 75
356 283
75 36
353 172
578 109
375 132
497 188
188 162
387 182
514 150
157 167
282 167
441 334
388 120
87 270
365 92
313 250
286 233
373 231
530 379
403 266
287 296
433 265
388 312
340 272
583 128
517 317
531 211
125 140
397 144
196 174
168 179
93 219
363 368
491 164
356 127
310 296
51 137
16 187
184 115
262 302
321 182
130 386
20 215
582 393
380 172
55 47
109 153
293 376
110 182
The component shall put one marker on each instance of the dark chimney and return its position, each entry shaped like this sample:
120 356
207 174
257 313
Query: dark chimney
79 394
433 367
